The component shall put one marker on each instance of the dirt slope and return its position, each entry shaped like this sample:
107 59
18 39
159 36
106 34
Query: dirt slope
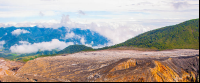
177 65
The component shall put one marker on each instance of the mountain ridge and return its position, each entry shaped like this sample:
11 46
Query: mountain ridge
37 35
28 37
184 35
75 48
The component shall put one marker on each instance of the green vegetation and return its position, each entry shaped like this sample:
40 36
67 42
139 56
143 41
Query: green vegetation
181 36
27 58
75 48
10 56
14 56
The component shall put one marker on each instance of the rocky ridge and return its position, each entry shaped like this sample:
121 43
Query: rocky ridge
178 65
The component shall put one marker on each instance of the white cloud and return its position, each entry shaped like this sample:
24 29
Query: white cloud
23 8
117 32
19 31
8 14
31 48
1 44
41 14
65 19
71 35
180 4
82 40
24 43
101 46
81 12
90 45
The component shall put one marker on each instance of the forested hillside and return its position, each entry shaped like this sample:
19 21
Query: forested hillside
180 36
75 48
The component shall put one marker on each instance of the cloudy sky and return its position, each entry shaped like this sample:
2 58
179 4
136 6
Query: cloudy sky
118 20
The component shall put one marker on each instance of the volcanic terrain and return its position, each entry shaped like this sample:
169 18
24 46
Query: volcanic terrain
178 65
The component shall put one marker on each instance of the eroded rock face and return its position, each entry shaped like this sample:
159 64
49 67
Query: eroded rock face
113 66
8 68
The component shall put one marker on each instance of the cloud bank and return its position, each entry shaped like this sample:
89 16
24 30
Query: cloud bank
19 31
116 32
26 47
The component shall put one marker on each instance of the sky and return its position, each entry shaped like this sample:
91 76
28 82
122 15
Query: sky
117 20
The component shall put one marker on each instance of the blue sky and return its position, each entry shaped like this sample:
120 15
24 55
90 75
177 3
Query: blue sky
123 18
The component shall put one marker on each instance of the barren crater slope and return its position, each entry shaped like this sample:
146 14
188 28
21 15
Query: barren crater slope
113 66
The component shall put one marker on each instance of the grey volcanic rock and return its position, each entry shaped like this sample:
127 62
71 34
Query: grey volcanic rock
179 65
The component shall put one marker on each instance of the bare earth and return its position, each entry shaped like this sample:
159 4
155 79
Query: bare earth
107 55
112 66
8 67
